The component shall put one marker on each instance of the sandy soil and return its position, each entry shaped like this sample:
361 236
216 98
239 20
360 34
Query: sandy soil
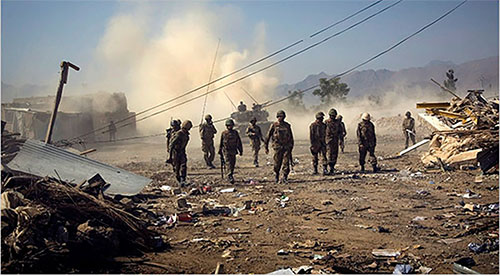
334 218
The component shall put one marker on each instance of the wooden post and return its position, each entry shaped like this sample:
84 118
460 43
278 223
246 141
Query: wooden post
64 79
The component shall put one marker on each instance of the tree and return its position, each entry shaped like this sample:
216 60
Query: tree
331 90
296 101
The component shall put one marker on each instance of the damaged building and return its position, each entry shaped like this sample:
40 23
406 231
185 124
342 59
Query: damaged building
77 115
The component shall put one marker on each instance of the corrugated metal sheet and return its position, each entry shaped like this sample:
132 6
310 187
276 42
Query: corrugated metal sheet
42 159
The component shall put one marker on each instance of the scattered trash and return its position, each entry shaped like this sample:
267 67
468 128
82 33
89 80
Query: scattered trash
287 271
183 204
418 218
423 193
403 269
466 261
460 269
317 257
373 265
470 194
488 246
383 230
283 252
305 269
326 202
165 188
423 270
185 217
432 182
449 241
386 253
228 190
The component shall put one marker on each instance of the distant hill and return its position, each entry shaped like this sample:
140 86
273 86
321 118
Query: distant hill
471 75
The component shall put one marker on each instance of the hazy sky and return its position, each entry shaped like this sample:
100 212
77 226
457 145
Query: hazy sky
37 35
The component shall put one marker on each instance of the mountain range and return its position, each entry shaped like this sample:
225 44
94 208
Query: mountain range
476 74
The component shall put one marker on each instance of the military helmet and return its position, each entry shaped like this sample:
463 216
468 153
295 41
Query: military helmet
365 116
339 117
187 124
280 113
320 115
253 120
208 117
229 122
332 112
408 113
175 123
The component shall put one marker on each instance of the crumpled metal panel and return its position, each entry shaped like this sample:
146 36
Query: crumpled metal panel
41 159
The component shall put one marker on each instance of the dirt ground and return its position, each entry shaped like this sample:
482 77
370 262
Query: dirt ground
329 222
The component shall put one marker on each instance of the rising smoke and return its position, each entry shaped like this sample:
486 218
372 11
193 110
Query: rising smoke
152 69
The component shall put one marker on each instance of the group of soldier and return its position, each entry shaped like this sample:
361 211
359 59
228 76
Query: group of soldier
326 137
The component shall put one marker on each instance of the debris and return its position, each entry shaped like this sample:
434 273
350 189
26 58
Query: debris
385 253
424 270
470 194
403 269
488 246
419 218
466 261
417 145
228 190
383 230
362 209
317 257
305 269
283 252
182 203
373 265
460 269
219 269
67 166
326 202
185 217
287 271
165 188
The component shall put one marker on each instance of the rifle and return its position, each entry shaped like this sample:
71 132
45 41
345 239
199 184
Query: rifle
222 164
411 132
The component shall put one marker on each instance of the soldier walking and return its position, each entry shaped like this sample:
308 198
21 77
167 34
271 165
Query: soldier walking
332 139
409 129
255 134
367 142
175 125
280 134
230 145
178 151
112 131
317 132
207 133
343 133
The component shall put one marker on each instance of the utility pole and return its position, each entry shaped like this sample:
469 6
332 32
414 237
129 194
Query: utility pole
64 79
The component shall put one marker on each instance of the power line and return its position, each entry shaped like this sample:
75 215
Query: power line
264 68
209 80
218 79
372 58
377 55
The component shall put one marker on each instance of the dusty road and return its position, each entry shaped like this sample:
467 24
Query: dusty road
329 222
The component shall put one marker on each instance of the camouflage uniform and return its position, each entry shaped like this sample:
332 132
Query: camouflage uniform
366 142
409 124
280 134
112 131
178 153
332 141
255 134
207 133
230 145
342 134
317 132
174 127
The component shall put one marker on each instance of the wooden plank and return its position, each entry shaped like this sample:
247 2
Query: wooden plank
463 157
434 122
417 145
434 105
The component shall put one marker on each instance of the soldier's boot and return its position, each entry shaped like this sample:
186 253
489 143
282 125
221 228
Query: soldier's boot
375 168
182 182
315 169
277 178
231 179
285 179
211 166
362 168
332 170
325 170
256 163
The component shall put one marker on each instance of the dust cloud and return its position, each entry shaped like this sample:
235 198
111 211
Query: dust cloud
155 68
389 104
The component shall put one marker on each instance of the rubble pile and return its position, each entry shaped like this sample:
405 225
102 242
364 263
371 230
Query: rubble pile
467 132
50 226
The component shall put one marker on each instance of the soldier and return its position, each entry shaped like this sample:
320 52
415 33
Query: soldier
343 133
112 131
409 129
207 133
255 134
175 125
242 107
332 139
230 145
280 133
367 142
178 151
317 132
